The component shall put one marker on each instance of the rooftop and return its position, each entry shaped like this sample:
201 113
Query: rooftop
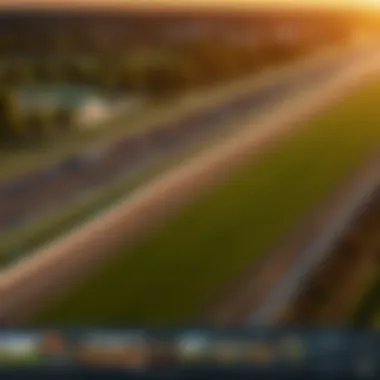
66 96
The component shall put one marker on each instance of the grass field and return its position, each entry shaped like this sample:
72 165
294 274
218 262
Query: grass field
176 272
368 311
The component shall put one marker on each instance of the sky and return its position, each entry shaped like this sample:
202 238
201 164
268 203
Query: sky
197 3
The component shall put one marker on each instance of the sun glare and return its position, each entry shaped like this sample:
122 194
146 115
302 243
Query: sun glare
356 4
371 3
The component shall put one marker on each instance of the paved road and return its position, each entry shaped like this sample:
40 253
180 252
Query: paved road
43 275
28 198
340 212
352 201
259 297
262 294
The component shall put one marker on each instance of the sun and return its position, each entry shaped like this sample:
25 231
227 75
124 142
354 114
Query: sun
372 3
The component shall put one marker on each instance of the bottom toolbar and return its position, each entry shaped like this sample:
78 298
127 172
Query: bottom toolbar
190 353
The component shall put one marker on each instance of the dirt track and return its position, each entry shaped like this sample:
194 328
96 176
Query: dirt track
35 279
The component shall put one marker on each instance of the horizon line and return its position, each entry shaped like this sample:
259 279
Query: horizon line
168 7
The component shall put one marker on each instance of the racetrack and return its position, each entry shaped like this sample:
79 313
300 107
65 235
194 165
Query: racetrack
339 214
262 296
29 198
35 279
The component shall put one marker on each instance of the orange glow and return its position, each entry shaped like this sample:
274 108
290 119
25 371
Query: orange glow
196 3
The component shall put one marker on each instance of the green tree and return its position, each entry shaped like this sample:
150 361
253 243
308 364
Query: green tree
48 71
130 78
80 71
64 118
11 126
162 81
40 124
16 73
108 75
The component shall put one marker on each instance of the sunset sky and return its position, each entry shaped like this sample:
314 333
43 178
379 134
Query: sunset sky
197 3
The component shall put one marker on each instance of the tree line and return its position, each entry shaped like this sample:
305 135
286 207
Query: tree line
156 73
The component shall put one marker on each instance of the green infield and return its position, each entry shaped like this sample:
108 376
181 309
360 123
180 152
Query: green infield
177 271
368 310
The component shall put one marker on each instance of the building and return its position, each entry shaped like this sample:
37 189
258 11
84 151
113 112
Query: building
87 107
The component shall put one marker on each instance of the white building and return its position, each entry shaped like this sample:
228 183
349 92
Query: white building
88 109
